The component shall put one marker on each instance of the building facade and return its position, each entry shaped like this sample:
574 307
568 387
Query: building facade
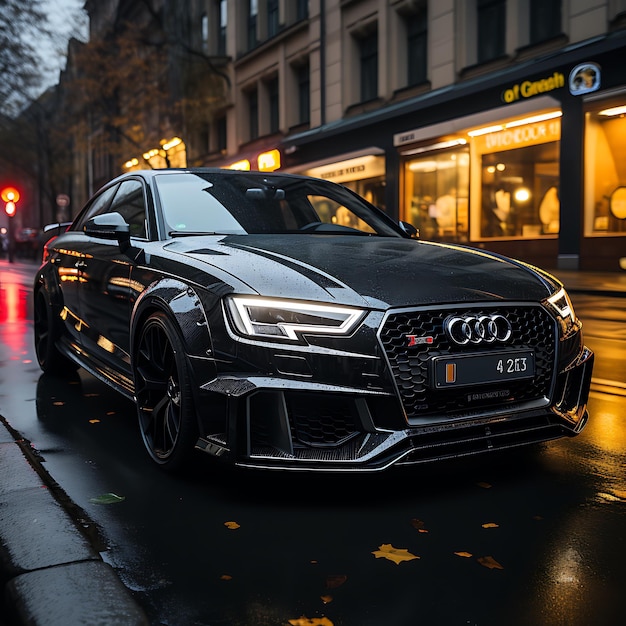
496 123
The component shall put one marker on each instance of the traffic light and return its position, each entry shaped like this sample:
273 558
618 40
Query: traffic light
10 195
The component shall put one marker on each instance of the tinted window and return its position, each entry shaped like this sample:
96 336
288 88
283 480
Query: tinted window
100 204
129 203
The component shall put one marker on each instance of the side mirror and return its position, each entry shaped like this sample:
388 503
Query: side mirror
410 230
109 226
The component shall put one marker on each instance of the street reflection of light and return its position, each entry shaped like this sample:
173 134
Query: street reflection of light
134 285
566 567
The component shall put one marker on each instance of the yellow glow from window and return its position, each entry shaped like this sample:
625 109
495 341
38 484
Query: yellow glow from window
269 161
172 143
240 165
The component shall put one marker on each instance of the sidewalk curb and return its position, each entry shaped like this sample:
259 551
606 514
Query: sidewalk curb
51 573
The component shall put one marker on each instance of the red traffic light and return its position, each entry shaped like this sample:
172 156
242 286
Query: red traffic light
10 194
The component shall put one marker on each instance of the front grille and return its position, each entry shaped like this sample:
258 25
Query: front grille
533 328
317 421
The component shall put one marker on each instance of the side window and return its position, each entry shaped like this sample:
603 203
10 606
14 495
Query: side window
129 203
100 204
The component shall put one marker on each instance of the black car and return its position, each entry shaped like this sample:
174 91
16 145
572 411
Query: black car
281 321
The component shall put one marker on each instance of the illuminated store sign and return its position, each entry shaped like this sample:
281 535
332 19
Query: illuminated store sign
530 88
352 169
522 136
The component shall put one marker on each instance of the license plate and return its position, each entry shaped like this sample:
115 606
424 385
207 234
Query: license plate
476 369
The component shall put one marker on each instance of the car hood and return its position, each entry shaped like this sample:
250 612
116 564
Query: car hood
371 271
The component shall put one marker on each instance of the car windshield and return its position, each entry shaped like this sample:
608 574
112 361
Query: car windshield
248 203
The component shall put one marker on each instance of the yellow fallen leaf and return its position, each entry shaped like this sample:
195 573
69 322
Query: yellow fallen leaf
490 562
397 555
484 485
231 525
620 494
327 599
226 577
490 525
94 421
316 621
466 555
110 412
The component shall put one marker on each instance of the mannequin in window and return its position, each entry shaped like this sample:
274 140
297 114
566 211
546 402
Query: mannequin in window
497 212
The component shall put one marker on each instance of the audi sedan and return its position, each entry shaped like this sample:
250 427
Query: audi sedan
280 321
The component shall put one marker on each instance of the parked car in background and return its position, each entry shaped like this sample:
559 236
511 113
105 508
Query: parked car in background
280 321
27 243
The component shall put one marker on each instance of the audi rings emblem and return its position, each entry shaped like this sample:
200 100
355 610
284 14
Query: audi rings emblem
478 329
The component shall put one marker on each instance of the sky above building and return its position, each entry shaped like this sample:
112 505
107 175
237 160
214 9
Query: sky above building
67 19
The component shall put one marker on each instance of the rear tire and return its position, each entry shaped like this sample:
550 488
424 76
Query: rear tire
47 332
165 405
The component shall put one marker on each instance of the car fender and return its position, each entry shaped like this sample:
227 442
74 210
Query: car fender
184 306
46 280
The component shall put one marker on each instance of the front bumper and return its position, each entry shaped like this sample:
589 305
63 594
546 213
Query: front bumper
277 423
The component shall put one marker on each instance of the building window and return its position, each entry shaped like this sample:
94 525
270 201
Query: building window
272 94
221 35
253 113
545 20
272 18
368 60
491 28
417 50
253 12
204 25
220 128
302 9
304 94
605 175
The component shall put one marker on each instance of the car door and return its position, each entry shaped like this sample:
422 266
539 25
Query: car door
107 292
72 250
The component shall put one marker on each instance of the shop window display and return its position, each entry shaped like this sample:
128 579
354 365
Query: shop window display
437 189
520 197
605 170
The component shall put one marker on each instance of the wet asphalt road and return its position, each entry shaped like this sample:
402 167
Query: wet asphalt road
533 537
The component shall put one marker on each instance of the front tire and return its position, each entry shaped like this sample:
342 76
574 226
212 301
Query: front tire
165 406
47 333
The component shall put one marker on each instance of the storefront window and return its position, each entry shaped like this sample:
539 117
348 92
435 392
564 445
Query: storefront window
605 169
437 190
516 179
365 175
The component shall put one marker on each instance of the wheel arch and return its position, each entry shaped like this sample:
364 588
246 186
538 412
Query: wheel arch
182 304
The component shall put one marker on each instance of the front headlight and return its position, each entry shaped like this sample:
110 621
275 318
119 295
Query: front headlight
262 318
562 305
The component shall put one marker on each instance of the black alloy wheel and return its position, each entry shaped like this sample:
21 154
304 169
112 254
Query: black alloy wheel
47 332
165 406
